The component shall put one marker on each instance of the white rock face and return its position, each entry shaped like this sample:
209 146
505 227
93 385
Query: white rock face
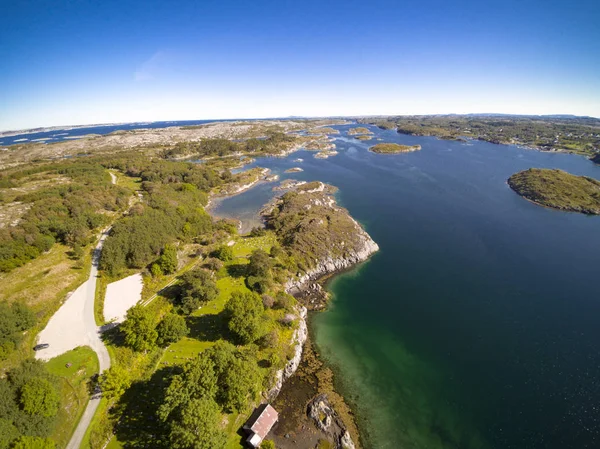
298 339
331 265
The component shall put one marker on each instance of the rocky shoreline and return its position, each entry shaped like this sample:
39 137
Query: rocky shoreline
311 410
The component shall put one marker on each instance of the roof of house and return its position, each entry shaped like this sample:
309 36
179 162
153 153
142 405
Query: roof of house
262 420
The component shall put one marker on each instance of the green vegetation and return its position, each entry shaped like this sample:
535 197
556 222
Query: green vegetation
175 193
196 288
359 130
14 319
244 312
323 130
167 353
558 189
393 148
275 142
68 213
171 329
74 369
311 228
572 134
139 329
29 403
363 137
201 378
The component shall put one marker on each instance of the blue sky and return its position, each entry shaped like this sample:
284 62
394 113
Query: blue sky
79 62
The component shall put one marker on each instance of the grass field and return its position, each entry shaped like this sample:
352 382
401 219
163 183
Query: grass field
73 389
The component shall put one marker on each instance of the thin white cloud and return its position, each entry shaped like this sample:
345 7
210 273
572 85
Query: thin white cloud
149 69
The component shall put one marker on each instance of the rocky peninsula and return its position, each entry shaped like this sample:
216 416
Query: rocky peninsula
558 189
322 239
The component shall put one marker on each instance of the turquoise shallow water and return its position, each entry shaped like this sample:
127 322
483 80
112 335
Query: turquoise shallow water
476 325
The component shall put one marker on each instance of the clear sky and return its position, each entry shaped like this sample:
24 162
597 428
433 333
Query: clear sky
79 62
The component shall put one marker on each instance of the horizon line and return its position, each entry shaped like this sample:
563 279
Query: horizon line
289 117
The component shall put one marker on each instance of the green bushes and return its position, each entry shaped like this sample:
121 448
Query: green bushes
258 272
69 213
139 329
172 328
224 253
175 194
29 403
245 314
14 319
196 287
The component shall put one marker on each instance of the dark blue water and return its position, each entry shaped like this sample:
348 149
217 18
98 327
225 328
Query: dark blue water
477 324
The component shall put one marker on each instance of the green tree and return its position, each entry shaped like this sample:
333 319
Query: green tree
260 264
259 271
115 382
8 433
241 383
224 253
171 329
155 270
27 442
244 312
199 426
139 329
168 259
39 397
198 380
196 287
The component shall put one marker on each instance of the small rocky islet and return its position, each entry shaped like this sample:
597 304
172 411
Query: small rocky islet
393 148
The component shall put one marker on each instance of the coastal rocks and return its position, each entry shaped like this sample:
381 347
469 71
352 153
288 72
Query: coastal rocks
288 184
248 181
298 160
327 420
294 170
325 154
299 338
271 178
331 265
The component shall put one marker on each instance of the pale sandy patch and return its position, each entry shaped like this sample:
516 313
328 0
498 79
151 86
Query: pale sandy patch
121 296
66 329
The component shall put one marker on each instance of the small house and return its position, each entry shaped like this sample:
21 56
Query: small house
259 424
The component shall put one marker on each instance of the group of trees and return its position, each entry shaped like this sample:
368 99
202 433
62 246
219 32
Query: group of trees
221 379
142 334
175 194
68 213
273 143
29 403
196 287
14 319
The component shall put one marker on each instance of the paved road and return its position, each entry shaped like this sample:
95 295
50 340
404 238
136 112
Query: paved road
74 325
93 337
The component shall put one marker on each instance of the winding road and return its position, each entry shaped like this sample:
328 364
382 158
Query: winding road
74 325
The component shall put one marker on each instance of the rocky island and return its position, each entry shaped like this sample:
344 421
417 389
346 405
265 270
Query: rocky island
358 130
393 148
558 189
294 170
